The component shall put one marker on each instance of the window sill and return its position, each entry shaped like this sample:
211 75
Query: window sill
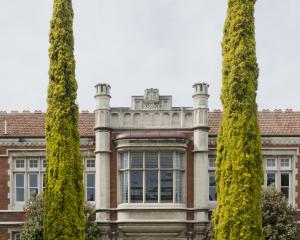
151 206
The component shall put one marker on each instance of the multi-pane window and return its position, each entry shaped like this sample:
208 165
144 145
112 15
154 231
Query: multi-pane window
90 163
28 178
33 187
151 176
44 163
271 163
212 192
16 236
90 179
19 163
212 163
212 186
20 187
33 163
279 172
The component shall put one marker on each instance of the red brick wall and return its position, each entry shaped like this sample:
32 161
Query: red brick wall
4 178
4 233
2 150
298 225
12 217
298 183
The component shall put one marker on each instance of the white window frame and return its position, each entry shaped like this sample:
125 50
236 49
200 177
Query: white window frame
16 235
43 163
87 160
41 171
278 171
285 167
271 167
38 186
27 170
24 187
16 161
89 170
213 165
210 173
158 169
33 168
211 169
266 177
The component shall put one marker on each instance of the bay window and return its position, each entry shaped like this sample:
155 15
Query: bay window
151 176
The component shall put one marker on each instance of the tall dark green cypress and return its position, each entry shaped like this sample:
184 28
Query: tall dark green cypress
64 197
239 171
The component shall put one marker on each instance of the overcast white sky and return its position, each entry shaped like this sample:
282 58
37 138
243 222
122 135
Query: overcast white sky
139 44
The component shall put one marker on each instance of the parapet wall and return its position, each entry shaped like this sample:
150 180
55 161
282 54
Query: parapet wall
182 118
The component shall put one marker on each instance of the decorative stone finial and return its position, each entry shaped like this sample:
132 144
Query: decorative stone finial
201 88
102 89
102 96
151 95
200 96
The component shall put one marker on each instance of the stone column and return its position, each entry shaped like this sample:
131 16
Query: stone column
102 151
200 126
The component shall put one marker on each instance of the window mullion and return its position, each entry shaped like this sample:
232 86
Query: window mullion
278 181
159 179
25 190
290 187
28 185
144 177
40 185
129 177
174 177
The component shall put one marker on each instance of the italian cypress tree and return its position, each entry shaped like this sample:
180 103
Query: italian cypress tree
239 171
64 198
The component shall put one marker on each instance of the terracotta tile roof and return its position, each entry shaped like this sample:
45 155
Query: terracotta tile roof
26 124
272 123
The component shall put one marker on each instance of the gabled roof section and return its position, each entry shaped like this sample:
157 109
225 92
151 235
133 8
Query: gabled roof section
32 124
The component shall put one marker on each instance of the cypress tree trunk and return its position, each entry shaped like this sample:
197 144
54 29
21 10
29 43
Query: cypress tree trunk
239 171
64 197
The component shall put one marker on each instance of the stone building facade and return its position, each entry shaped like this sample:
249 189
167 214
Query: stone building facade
149 168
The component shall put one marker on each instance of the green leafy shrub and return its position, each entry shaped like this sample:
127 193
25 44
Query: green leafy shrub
92 230
34 214
278 216
34 223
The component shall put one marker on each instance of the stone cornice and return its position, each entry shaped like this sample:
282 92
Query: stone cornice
37 142
276 140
